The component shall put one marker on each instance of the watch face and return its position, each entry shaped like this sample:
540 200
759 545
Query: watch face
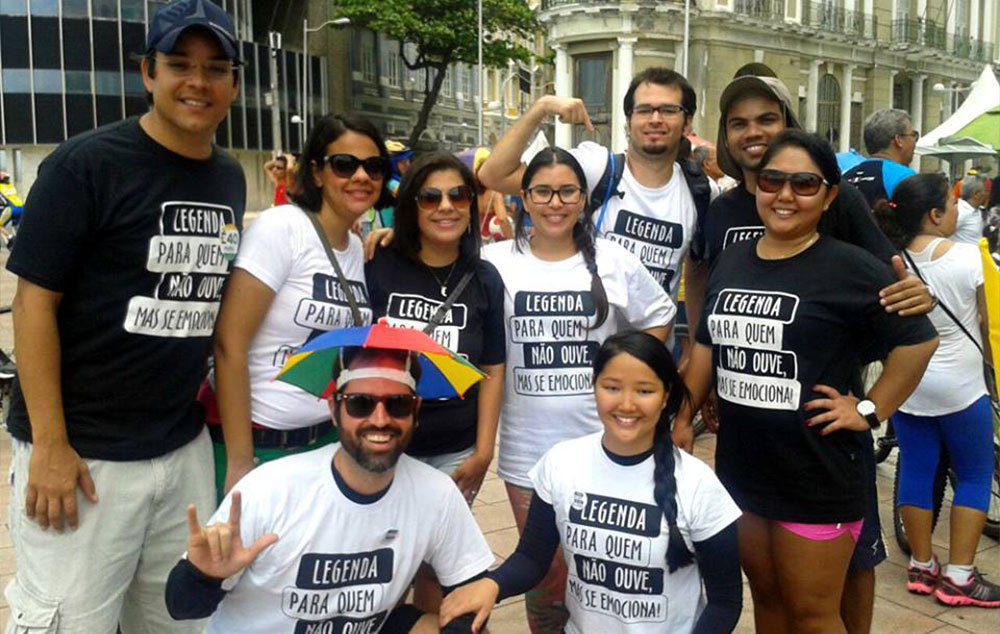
866 407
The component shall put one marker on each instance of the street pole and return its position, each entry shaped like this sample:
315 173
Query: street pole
482 83
305 79
687 35
274 39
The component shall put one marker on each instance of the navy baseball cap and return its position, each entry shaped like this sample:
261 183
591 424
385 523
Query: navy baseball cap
175 18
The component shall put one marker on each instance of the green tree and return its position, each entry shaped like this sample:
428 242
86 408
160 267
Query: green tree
444 32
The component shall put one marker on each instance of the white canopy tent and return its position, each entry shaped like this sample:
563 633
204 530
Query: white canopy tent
984 96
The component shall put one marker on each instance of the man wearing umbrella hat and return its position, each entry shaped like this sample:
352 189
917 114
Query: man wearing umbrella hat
126 243
330 539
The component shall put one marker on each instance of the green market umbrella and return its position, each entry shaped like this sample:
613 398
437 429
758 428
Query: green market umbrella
984 128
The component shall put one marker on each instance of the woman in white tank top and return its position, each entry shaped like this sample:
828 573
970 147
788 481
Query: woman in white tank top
949 409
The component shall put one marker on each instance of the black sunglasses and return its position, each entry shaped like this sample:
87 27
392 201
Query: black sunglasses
803 183
345 165
362 405
428 198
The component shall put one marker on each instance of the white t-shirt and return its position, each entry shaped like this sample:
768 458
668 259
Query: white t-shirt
969 227
338 562
614 537
954 378
282 250
656 224
548 384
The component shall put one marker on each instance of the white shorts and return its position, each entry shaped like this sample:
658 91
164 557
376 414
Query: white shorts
113 569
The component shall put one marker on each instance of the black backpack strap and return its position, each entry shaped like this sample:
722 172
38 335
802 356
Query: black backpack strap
701 193
606 188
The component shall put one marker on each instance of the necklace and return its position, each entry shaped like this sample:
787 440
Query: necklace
444 284
784 256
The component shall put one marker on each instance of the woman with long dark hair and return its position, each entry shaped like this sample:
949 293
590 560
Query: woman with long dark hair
950 408
642 524
787 316
433 279
285 290
564 293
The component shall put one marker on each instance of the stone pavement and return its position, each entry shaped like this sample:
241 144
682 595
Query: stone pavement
896 611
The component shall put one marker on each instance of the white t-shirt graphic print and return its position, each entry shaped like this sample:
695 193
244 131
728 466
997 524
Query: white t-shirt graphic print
340 566
614 537
655 224
282 250
548 306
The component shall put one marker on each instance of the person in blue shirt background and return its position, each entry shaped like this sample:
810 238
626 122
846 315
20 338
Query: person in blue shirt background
890 141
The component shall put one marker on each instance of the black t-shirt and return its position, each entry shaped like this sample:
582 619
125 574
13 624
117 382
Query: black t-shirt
139 241
777 328
733 217
408 294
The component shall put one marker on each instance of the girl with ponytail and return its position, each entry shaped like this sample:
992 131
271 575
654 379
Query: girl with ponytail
627 486
565 292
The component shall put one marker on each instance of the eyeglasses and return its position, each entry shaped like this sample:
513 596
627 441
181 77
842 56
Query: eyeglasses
429 198
542 194
215 71
345 165
915 134
362 405
803 183
645 110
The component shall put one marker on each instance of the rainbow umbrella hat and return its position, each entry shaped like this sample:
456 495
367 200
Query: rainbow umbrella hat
443 374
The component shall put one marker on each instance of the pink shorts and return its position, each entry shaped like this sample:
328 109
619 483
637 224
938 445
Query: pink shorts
824 532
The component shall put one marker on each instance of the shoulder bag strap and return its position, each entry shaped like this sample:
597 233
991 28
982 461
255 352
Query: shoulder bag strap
446 306
946 310
344 288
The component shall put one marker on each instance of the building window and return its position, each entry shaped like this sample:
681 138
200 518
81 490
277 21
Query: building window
446 85
367 59
48 81
105 9
391 64
13 7
461 81
592 84
828 109
16 80
45 7
133 11
75 8
901 93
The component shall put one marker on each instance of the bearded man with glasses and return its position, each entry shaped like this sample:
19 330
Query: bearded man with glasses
329 540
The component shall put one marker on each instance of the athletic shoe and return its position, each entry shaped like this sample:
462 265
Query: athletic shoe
921 580
978 592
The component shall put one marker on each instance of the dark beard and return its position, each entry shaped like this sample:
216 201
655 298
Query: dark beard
351 443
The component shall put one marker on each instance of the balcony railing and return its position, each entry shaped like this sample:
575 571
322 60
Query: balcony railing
555 4
826 16
928 33
768 10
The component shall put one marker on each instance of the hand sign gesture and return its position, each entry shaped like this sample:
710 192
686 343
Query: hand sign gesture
217 550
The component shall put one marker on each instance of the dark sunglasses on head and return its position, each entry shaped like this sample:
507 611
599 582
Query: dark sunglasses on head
428 198
345 165
362 405
803 183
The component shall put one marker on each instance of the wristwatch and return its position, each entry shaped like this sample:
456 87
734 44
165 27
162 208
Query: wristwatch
867 410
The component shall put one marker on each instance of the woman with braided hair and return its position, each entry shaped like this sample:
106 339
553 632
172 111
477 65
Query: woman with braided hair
565 292
631 508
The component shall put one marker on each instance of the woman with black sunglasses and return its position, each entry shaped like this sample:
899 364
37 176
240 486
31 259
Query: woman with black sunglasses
786 318
431 278
285 290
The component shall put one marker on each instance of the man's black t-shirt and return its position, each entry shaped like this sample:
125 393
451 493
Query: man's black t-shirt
777 328
733 218
139 241
408 295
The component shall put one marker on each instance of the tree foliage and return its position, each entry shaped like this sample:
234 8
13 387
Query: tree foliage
444 32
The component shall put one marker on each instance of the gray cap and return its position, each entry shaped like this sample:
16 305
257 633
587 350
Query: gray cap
740 88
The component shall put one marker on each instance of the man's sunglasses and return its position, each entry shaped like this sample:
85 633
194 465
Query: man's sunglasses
362 405
429 198
345 165
803 183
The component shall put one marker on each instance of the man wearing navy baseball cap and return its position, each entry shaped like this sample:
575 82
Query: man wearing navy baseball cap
131 232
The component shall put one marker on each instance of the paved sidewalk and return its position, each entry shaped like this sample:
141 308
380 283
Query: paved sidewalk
896 611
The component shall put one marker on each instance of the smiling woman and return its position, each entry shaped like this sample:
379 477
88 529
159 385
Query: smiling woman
298 273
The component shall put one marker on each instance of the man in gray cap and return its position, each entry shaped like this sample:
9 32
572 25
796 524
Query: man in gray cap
754 109
126 241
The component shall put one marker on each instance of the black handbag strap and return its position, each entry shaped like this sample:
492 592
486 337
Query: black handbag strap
946 310
448 301
341 280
